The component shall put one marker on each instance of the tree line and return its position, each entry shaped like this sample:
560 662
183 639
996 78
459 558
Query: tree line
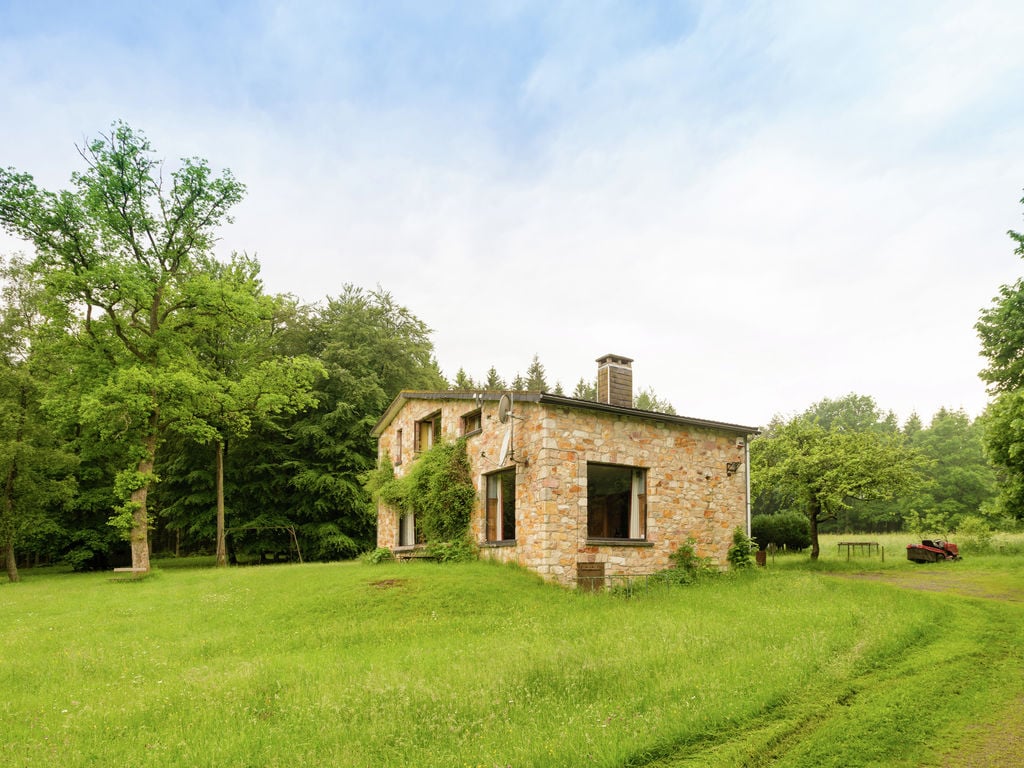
155 397
535 380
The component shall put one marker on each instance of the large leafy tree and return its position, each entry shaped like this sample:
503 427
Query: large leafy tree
852 413
124 254
1001 330
821 471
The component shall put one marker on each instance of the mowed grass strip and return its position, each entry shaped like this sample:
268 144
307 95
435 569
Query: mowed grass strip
483 665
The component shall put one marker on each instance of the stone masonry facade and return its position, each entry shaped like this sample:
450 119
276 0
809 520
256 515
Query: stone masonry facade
696 477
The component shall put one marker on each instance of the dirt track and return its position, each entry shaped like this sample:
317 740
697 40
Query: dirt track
1000 742
942 577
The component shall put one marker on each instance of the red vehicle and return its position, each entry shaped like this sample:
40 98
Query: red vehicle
931 551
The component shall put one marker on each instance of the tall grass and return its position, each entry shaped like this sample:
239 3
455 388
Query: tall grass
484 665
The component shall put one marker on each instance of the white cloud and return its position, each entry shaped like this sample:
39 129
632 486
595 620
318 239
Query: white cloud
763 207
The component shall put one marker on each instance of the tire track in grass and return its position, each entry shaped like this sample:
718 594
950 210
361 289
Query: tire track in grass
886 714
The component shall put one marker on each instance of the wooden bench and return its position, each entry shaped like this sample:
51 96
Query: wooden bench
852 546
407 555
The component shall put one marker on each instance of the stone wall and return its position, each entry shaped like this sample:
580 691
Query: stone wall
689 491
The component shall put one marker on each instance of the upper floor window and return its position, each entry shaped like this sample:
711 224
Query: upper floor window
428 432
471 422
398 448
616 502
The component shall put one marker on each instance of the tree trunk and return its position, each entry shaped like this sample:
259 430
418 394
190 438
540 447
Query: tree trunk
815 508
12 565
222 553
139 536
7 519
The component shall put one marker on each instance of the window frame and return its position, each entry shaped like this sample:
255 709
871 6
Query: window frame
474 417
633 520
434 420
408 532
397 448
499 483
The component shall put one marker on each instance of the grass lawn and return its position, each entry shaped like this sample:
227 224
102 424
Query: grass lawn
484 665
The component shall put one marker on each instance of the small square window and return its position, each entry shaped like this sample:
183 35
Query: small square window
471 423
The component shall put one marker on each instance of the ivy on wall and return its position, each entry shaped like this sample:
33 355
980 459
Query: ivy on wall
438 490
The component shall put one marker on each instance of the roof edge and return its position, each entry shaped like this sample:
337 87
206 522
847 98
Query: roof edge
543 397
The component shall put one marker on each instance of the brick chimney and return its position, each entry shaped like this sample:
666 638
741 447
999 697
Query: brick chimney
615 380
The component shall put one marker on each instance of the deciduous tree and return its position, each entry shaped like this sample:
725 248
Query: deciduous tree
821 471
1001 330
126 249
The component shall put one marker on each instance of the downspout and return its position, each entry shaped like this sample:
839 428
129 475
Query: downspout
746 466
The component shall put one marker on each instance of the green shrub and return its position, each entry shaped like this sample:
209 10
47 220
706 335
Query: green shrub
458 551
326 541
974 535
377 556
786 530
741 552
688 566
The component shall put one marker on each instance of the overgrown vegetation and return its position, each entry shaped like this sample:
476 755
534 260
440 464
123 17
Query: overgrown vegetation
741 552
687 566
438 489
377 556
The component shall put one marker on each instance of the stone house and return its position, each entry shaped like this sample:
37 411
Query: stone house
578 490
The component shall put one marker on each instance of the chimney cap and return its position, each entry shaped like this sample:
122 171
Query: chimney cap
615 359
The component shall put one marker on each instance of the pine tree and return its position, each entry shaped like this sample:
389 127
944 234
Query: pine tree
494 381
585 390
535 381
463 382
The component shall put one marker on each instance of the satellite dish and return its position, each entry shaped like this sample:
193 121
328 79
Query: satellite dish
506 445
504 409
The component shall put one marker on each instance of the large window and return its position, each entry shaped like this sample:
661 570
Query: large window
428 432
501 506
616 502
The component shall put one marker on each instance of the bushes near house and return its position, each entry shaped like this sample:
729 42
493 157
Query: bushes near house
377 556
786 530
458 551
741 553
687 566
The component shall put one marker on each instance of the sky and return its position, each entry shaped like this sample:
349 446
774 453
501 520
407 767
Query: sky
764 204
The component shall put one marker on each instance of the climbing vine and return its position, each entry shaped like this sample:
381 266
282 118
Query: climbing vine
438 490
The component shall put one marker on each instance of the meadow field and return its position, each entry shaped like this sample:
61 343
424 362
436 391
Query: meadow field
839 663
